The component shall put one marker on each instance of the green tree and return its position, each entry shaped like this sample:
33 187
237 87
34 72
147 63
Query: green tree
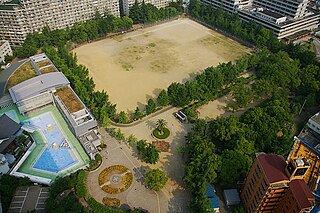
148 152
131 139
120 135
163 98
234 165
178 94
151 107
155 179
161 124
123 118
137 114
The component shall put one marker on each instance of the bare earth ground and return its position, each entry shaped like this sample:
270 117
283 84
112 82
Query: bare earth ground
217 107
135 66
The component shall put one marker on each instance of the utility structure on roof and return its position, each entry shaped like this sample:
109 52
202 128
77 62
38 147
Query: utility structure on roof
272 185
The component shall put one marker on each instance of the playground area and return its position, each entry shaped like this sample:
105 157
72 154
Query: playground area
56 151
136 66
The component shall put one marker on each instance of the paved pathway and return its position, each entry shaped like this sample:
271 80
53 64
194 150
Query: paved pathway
144 119
137 195
5 74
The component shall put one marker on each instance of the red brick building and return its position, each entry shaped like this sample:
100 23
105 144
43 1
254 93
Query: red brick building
272 184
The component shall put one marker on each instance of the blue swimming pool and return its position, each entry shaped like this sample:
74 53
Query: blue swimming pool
57 154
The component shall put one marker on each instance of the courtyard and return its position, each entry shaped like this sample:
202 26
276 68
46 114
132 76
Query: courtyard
174 197
136 66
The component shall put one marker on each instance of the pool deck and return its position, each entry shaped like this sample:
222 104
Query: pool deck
27 166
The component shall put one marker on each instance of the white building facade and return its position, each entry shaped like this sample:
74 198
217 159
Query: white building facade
284 18
5 49
18 18
314 123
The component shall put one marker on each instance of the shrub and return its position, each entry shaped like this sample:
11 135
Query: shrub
164 135
111 202
81 188
127 180
94 164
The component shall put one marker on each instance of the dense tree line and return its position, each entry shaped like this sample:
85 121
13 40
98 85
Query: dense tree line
80 32
148 13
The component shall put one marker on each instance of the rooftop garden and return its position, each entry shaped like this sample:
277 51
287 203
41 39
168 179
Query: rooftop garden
24 72
47 70
69 99
43 63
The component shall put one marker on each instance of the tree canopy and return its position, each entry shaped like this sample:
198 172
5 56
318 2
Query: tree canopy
155 179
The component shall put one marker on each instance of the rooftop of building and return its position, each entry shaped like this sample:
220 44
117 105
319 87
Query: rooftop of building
273 166
301 193
8 127
70 99
316 118
310 139
37 85
9 5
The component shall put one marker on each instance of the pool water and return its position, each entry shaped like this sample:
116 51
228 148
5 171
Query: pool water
57 155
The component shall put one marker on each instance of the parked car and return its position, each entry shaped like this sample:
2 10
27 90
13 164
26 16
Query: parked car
180 116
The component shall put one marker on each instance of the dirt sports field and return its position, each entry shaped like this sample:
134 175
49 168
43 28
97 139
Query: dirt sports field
135 66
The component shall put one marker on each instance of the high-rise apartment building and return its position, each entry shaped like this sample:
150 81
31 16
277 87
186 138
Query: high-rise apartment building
272 184
19 17
286 18
126 4
5 49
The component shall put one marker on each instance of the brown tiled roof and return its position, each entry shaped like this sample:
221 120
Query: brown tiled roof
301 193
273 166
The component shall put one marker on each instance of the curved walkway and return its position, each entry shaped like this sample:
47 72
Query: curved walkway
5 75
167 108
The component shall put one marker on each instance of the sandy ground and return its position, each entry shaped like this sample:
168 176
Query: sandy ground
135 66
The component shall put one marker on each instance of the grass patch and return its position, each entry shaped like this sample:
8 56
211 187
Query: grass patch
24 72
69 99
164 135
43 63
47 70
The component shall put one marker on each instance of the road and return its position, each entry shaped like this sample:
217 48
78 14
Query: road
5 74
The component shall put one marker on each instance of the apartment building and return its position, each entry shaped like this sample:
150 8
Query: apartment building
272 184
126 4
5 49
20 17
285 18
307 145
